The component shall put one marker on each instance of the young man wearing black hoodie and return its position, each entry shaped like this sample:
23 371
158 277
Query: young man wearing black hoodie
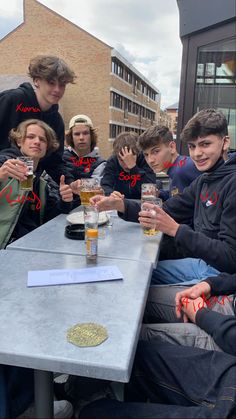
126 169
50 76
183 381
209 247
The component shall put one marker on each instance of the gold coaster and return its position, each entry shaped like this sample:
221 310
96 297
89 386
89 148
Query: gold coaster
87 334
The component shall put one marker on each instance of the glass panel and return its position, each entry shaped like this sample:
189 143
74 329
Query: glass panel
216 81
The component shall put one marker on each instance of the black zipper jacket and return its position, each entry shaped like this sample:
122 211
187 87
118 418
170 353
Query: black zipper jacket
83 167
128 183
17 105
210 201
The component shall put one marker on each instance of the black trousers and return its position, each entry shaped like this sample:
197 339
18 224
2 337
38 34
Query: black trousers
178 382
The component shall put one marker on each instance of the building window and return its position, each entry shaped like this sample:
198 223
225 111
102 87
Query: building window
217 63
150 115
135 85
115 130
128 105
136 108
116 100
143 87
117 68
216 80
128 76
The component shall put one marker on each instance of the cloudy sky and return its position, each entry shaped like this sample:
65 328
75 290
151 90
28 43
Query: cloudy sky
144 32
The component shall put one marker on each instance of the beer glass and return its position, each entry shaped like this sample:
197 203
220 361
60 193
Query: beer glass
149 195
89 188
27 184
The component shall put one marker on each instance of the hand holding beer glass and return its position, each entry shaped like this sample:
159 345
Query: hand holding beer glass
27 184
149 196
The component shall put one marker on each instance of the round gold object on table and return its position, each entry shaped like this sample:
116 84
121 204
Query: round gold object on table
87 334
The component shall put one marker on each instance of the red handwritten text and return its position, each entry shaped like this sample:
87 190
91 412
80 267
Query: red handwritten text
209 302
20 199
20 108
83 161
168 164
133 178
212 201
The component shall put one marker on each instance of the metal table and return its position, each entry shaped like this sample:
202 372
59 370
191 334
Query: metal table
123 240
34 321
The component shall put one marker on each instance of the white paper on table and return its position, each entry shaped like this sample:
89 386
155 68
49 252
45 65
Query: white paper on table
73 276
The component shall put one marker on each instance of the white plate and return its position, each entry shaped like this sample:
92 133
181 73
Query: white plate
78 218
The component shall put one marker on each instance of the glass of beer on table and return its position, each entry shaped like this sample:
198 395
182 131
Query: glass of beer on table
149 195
27 184
89 188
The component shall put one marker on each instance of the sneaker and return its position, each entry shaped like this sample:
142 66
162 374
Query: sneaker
106 393
62 410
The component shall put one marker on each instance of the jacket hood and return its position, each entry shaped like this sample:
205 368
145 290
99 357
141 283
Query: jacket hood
11 152
29 92
91 154
220 169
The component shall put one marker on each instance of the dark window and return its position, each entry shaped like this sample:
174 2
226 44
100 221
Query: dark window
115 130
117 100
216 80
117 68
128 76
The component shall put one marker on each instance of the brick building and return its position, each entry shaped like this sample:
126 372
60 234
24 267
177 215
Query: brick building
172 112
108 88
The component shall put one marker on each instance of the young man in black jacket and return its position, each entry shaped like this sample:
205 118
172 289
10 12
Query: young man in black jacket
22 211
126 169
50 76
210 202
80 156
179 381
159 150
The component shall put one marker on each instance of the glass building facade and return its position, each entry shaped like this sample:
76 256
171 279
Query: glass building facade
208 77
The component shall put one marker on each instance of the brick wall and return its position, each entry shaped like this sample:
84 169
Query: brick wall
45 32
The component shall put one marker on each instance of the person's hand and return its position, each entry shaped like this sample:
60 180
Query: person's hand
127 156
198 290
65 190
107 203
163 222
13 168
147 216
190 308
75 186
116 194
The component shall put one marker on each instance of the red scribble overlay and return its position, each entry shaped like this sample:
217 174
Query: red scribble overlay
168 164
20 199
26 108
209 302
213 200
133 178
83 161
